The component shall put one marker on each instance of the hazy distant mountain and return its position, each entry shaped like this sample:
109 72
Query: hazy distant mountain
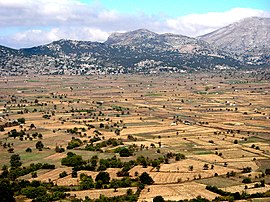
248 38
143 51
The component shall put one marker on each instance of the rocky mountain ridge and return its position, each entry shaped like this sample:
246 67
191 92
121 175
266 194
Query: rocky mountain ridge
248 38
142 51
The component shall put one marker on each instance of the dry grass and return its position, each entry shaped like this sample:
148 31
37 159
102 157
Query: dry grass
95 194
143 97
52 175
250 190
67 181
139 170
176 192
56 156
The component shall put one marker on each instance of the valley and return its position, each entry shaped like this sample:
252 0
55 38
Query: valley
191 135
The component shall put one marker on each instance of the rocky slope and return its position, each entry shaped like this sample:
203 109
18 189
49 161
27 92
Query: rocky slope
248 39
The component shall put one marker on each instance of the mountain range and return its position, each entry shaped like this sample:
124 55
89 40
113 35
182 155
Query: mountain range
241 44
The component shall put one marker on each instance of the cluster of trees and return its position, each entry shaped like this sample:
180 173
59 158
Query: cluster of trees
103 180
111 141
14 133
124 151
72 160
21 134
16 170
228 196
59 149
9 184
38 191
46 116
75 142
128 197
21 120
246 170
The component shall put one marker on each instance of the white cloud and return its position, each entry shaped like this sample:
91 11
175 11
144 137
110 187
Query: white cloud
43 21
37 37
198 24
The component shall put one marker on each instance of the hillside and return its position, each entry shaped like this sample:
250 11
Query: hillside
249 39
241 44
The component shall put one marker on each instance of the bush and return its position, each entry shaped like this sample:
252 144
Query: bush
74 143
124 152
34 192
158 199
2 128
74 174
72 160
247 170
39 145
63 174
104 177
21 120
145 178
34 174
86 182
246 180
6 191
267 171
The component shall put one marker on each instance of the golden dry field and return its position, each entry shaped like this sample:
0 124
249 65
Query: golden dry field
218 121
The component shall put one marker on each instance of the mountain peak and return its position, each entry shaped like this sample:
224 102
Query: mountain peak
130 38
249 38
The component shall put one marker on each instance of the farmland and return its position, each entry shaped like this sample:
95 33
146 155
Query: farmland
186 131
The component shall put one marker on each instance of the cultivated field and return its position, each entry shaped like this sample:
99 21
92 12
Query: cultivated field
218 121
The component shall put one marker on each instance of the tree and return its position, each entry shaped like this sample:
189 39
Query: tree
117 131
262 183
32 126
76 142
145 178
114 184
247 170
39 145
74 174
5 172
63 174
142 161
101 125
267 171
34 174
28 149
206 166
124 152
59 149
94 161
21 120
6 192
72 160
15 161
2 128
86 182
34 192
246 180
158 199
104 177
179 156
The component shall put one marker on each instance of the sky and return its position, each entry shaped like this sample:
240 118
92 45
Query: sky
28 23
